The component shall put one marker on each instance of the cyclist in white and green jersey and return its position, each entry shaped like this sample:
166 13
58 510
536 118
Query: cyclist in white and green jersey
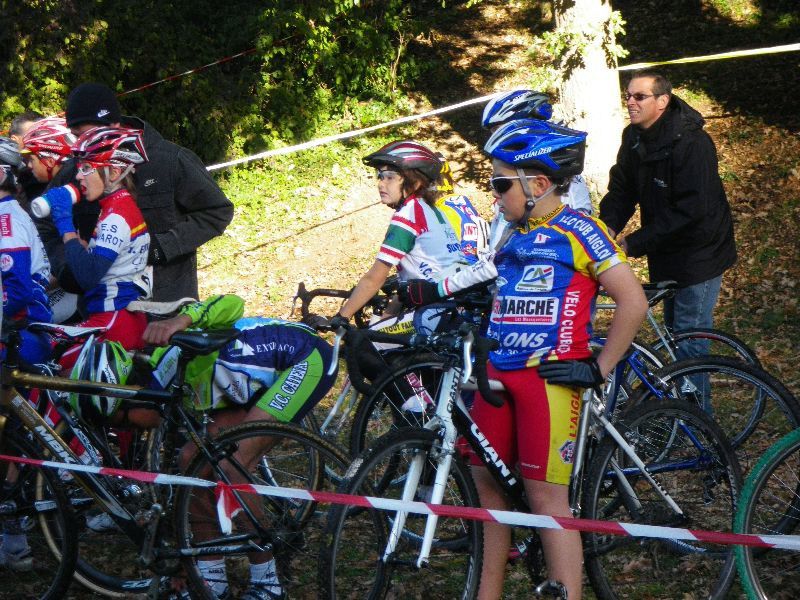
420 241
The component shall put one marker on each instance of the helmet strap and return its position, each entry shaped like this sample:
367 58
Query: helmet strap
531 201
111 185
49 165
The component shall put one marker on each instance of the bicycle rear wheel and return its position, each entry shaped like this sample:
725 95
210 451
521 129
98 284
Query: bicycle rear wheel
692 462
753 408
770 505
35 506
107 557
292 527
352 563
717 343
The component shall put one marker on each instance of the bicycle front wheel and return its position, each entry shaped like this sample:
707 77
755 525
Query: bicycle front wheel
770 505
415 385
692 462
36 514
290 530
354 563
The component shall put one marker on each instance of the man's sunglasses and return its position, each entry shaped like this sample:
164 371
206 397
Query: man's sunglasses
638 96
502 184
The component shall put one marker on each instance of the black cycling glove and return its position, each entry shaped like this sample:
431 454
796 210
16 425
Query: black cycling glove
418 292
578 373
339 321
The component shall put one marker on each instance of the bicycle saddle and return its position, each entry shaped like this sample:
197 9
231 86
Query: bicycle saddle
203 342
658 291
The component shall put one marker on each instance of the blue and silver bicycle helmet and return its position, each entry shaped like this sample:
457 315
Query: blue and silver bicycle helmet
519 104
554 150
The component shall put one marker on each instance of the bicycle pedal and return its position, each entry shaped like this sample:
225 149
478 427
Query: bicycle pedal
551 589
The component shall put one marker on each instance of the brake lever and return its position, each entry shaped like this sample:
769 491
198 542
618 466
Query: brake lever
466 355
337 342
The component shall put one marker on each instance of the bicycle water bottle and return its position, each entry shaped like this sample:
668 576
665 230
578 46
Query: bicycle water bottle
40 207
420 400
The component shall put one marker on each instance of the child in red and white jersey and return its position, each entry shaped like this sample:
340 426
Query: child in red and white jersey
112 268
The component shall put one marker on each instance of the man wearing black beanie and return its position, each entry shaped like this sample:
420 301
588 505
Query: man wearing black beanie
180 201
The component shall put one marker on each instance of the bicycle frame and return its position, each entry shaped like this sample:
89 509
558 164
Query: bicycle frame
662 333
452 419
97 486
94 485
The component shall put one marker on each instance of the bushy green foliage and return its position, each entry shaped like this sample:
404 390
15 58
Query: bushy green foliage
312 58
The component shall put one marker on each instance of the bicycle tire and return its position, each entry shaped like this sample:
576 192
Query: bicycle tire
42 511
381 412
122 576
350 564
752 407
770 505
706 489
297 459
720 344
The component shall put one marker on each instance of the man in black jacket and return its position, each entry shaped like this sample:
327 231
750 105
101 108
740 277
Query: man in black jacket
180 201
667 164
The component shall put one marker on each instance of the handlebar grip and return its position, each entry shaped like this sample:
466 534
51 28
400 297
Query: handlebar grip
482 348
355 337
317 322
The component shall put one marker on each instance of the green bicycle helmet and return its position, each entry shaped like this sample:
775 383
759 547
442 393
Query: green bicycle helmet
101 362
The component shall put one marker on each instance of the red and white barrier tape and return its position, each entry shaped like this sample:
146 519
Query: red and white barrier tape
189 72
227 505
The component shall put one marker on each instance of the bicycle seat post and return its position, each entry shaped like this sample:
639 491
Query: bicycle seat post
12 339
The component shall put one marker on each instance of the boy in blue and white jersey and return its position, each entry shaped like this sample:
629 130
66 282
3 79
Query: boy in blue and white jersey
24 267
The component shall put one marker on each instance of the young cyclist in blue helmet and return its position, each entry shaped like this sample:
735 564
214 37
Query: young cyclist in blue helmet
548 267
528 104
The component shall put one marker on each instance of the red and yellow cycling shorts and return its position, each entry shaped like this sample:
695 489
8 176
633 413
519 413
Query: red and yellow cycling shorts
536 427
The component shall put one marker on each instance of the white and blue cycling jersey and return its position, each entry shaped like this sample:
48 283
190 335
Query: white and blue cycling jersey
24 265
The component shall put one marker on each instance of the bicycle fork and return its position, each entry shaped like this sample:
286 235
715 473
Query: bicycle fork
443 461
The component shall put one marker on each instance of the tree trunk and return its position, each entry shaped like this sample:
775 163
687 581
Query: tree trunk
589 89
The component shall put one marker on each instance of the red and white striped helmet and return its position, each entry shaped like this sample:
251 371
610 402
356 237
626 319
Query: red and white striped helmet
110 146
49 138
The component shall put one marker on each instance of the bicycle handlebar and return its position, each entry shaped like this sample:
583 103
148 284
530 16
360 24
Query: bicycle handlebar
378 302
463 342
